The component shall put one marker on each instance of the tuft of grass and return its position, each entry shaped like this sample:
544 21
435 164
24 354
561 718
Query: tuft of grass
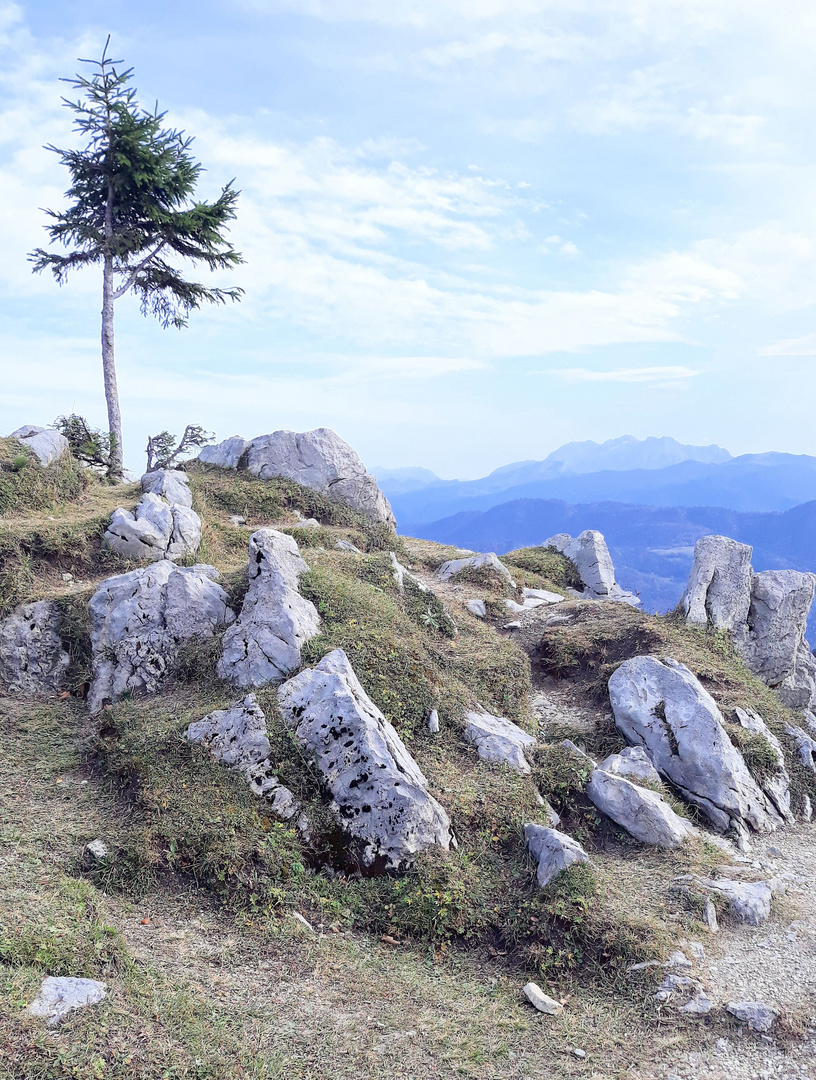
548 565
25 485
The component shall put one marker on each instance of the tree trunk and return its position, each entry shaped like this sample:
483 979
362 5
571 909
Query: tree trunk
116 467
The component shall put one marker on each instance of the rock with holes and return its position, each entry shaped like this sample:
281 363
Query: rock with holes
774 645
661 706
719 586
32 659
59 996
46 444
489 561
141 620
498 740
776 784
554 851
171 484
643 813
275 621
226 454
322 461
632 762
235 736
379 793
594 564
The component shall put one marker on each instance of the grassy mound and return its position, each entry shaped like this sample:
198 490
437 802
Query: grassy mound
25 485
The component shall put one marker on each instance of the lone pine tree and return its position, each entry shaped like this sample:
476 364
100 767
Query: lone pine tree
132 209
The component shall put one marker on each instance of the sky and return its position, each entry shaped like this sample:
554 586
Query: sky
473 229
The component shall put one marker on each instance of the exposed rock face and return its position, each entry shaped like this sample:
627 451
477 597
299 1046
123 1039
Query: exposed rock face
498 740
660 705
46 444
553 850
632 762
170 484
805 747
155 530
477 608
488 561
719 586
774 646
139 621
32 659
322 461
644 814
275 621
750 901
777 786
591 556
226 454
59 996
379 792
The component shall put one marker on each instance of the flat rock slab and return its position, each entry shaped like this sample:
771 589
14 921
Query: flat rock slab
59 996
632 762
32 659
498 740
755 1014
554 851
380 796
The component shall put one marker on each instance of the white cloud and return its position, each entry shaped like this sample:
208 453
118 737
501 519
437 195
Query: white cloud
803 346
625 375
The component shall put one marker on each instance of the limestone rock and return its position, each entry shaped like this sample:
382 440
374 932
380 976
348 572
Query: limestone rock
498 740
554 851
805 746
543 595
275 621
632 762
401 575
774 646
58 996
171 484
380 795
94 854
591 556
776 786
155 530
477 608
660 705
140 620
643 813
487 561
346 545
322 461
750 901
700 1005
433 722
719 586
226 454
757 1016
543 1002
46 444
235 736
32 659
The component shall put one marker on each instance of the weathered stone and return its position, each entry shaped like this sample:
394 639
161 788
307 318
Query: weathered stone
700 1005
757 1016
95 854
777 785
750 901
380 795
774 646
263 780
488 561
632 762
675 984
401 575
59 996
433 722
46 444
226 454
498 740
140 620
322 461
156 530
543 1002
235 736
32 659
275 621
346 545
805 746
594 563
554 851
644 814
660 705
719 586
477 608
544 595
710 917
171 484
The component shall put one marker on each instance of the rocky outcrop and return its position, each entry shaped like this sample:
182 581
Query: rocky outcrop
226 454
163 525
59 996
379 793
140 620
275 621
776 785
46 444
643 813
32 659
498 740
661 706
171 484
633 763
489 561
594 564
554 851
719 587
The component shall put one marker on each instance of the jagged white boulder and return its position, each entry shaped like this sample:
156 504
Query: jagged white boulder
489 560
643 813
155 530
594 563
275 621
322 461
498 740
774 646
226 454
59 996
380 795
140 620
46 444
777 785
632 762
660 705
32 659
719 586
171 484
553 850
